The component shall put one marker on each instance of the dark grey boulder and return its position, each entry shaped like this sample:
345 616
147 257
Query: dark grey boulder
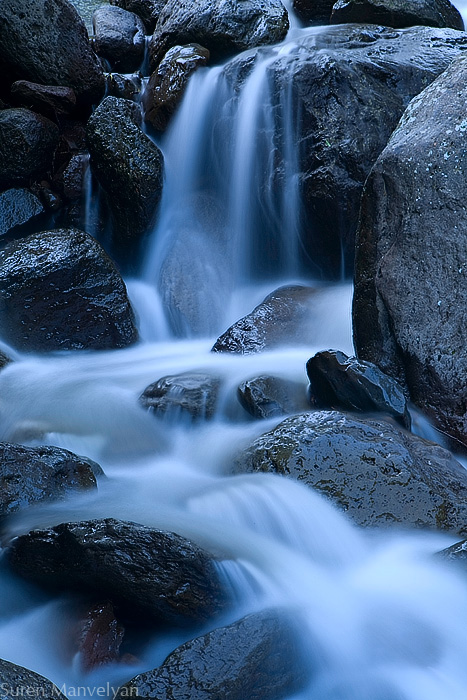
411 274
281 319
17 206
119 85
119 37
17 681
148 10
147 574
339 381
257 658
398 13
379 475
167 84
27 146
313 11
266 396
36 474
225 27
128 165
47 43
60 291
49 100
193 394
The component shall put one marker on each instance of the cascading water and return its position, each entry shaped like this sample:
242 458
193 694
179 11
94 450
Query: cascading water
381 619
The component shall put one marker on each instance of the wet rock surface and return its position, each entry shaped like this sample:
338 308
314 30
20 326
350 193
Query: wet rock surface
339 381
456 553
411 272
313 11
256 657
280 319
189 394
148 10
167 84
99 637
17 206
266 397
59 290
35 474
379 475
398 13
119 37
47 43
147 573
16 679
222 26
49 100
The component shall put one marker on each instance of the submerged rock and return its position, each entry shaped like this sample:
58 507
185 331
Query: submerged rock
99 638
148 10
339 381
259 657
225 27
411 272
60 291
146 573
17 681
35 474
119 37
379 475
183 394
398 13
266 397
17 207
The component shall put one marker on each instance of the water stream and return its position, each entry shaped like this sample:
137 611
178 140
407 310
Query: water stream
381 619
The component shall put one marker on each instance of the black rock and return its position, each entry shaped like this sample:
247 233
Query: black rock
379 475
123 86
17 681
49 100
456 553
27 146
148 574
411 273
225 27
47 43
398 13
183 394
339 381
60 291
17 206
36 474
119 37
148 10
257 658
313 11
266 397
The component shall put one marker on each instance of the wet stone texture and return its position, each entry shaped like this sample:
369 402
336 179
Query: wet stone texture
15 678
398 13
266 396
189 394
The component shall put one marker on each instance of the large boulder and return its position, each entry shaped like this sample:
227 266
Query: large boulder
378 474
47 42
17 207
224 27
119 37
398 13
190 394
27 146
148 10
128 165
60 291
18 681
411 273
36 474
148 574
259 658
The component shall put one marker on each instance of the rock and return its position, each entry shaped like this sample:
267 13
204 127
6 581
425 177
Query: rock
60 291
128 165
4 360
379 475
71 180
167 84
35 474
148 10
411 272
100 636
256 657
146 573
27 145
181 394
456 553
122 86
48 100
47 43
398 13
279 320
313 11
17 207
17 681
339 381
225 27
119 37
266 397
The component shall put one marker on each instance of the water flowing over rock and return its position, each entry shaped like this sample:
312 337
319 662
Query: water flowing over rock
266 397
378 474
27 145
339 381
35 474
398 13
61 291
183 394
47 42
224 27
146 573
411 272
258 657
17 680
17 206
129 167
119 37
148 10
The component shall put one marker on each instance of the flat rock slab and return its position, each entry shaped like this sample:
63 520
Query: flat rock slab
398 13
